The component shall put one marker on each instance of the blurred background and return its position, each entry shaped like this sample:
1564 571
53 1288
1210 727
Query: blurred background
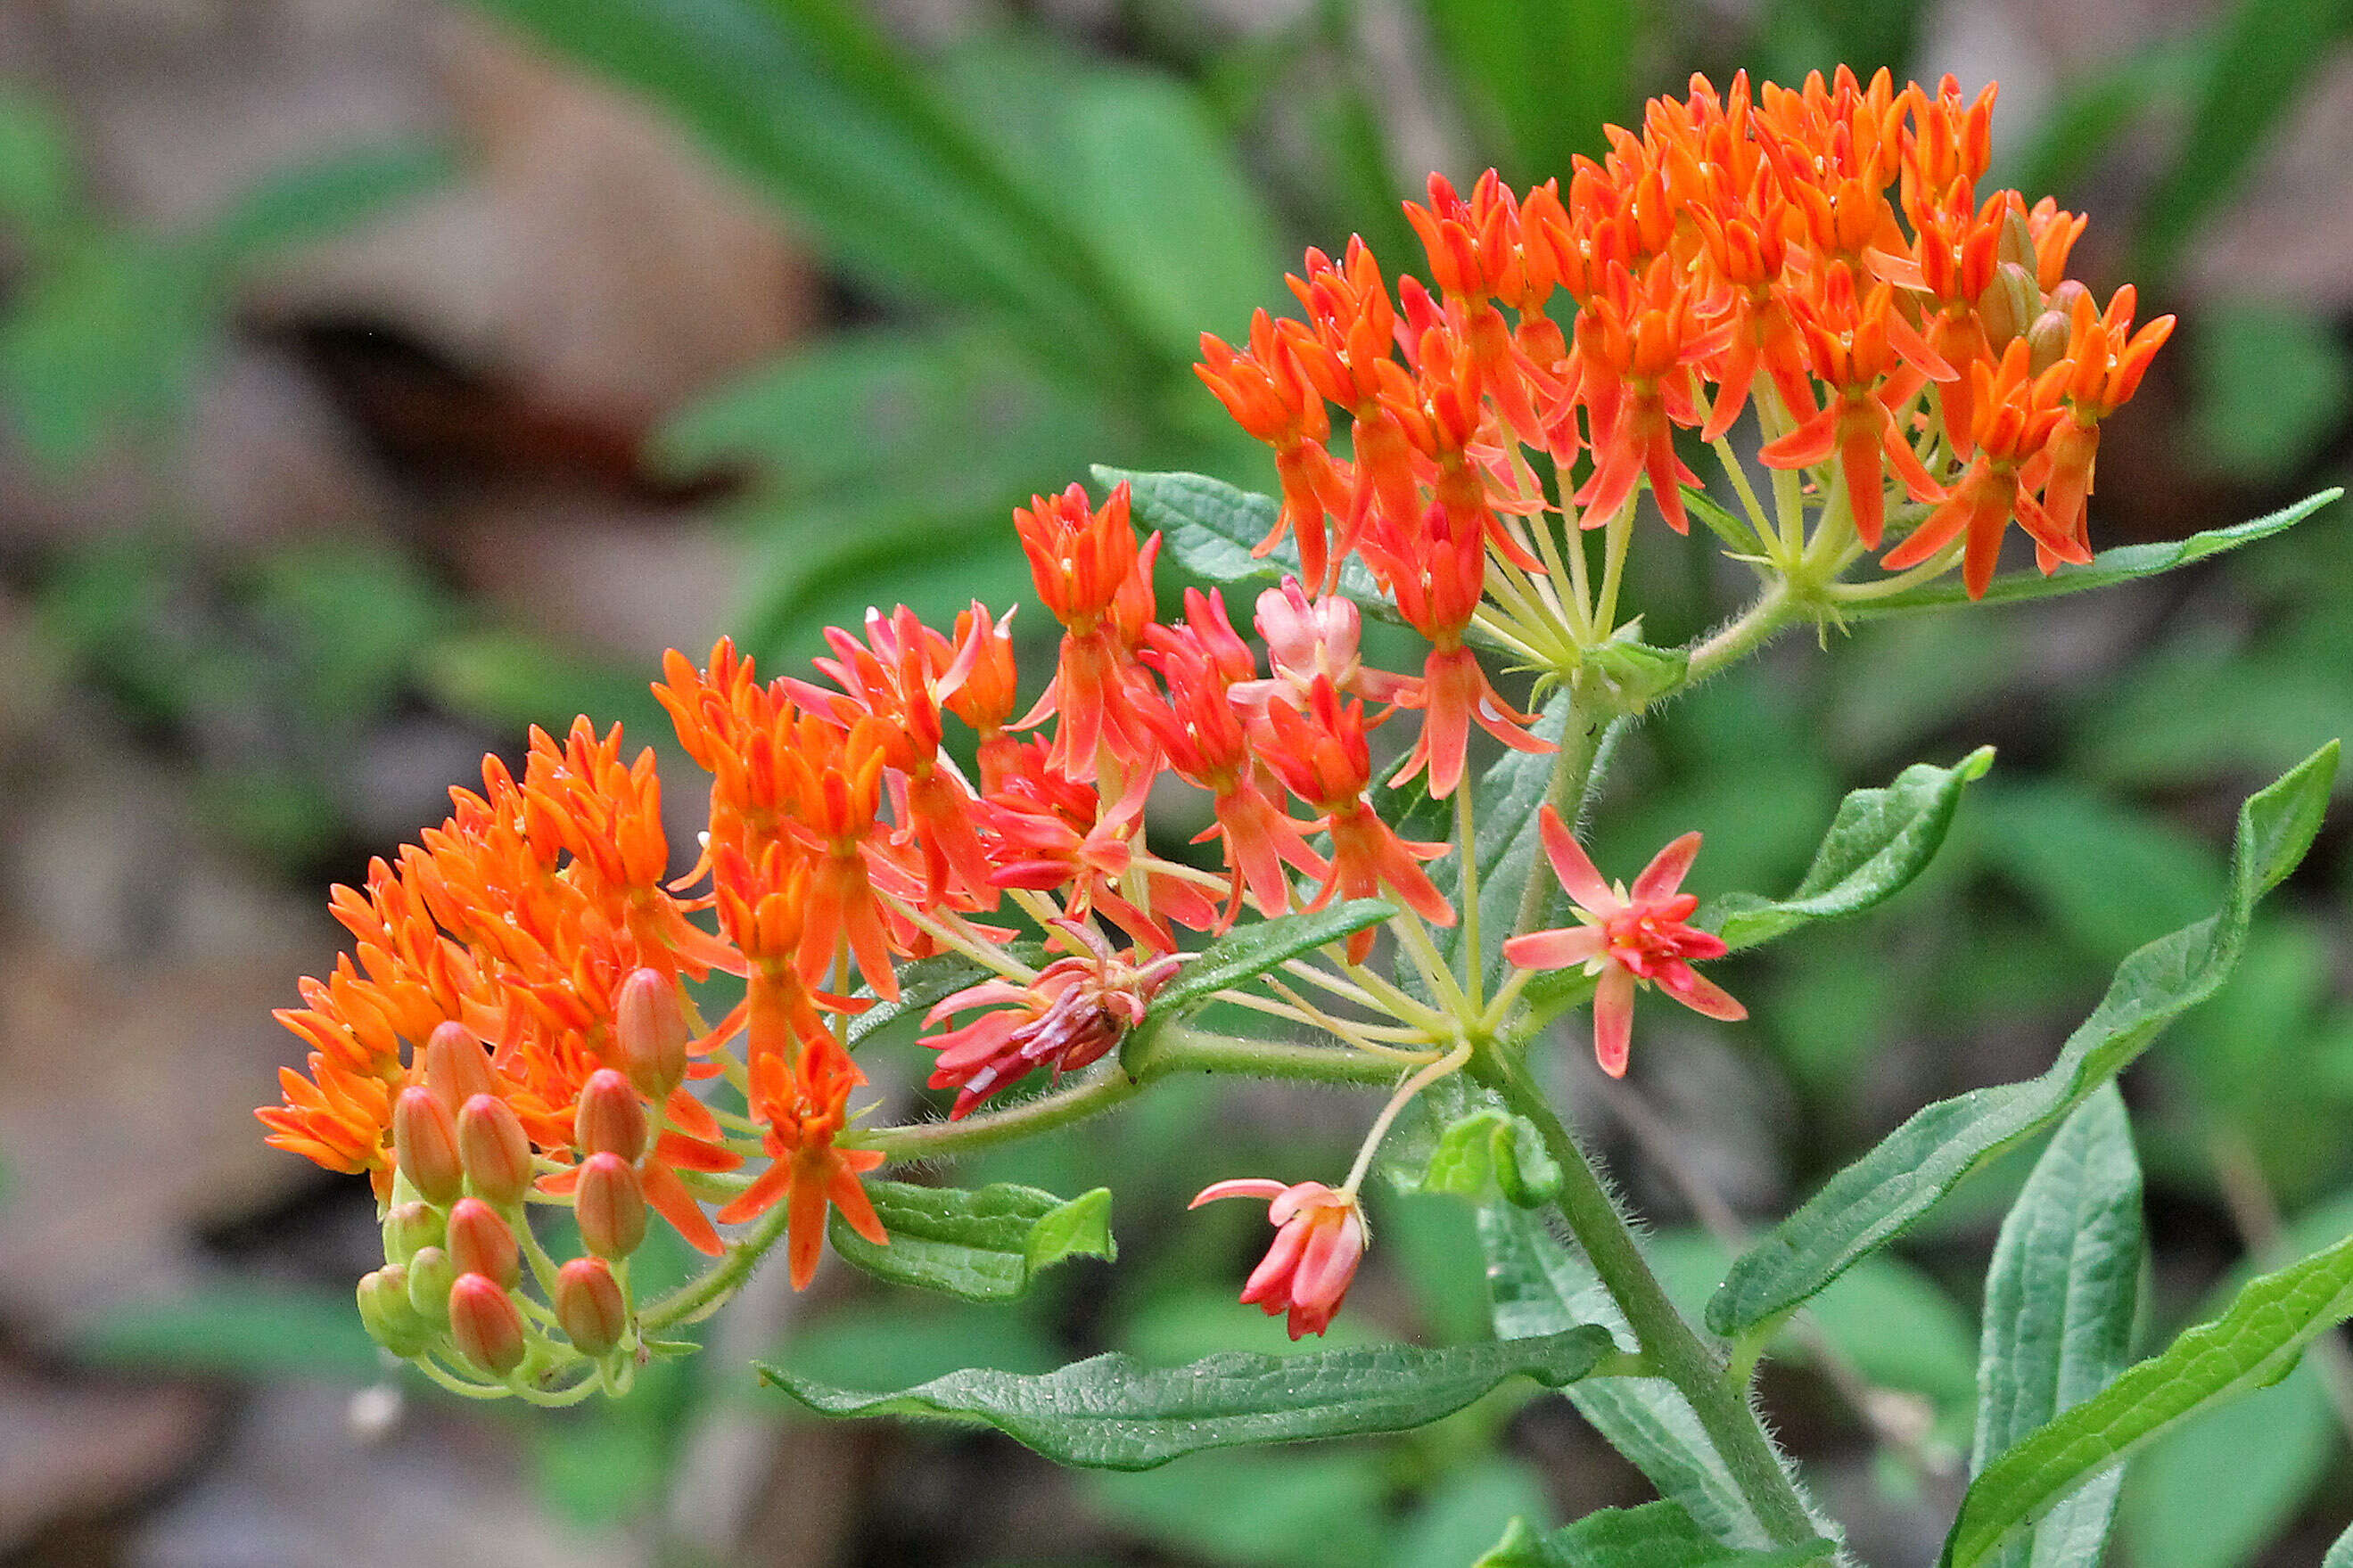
378 377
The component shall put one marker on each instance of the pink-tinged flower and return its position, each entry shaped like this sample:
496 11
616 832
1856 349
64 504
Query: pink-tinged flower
1076 1010
1627 938
1318 1242
1307 637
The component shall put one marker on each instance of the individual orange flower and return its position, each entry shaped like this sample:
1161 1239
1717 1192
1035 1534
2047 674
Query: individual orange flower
982 685
1627 938
2016 412
1095 579
1874 362
1206 737
1319 1240
1269 397
804 1107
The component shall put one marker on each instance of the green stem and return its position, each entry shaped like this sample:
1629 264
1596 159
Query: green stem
1195 1050
1579 743
1667 1342
1176 1049
1466 838
1743 635
699 1298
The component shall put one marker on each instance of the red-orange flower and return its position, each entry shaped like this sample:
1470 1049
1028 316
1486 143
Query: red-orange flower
1629 939
1319 1240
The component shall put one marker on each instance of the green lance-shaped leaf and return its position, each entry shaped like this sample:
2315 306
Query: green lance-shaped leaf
985 1244
2341 1554
1656 1535
2059 1309
1879 840
1114 1413
1255 949
1540 1288
2252 1345
1872 1201
2122 565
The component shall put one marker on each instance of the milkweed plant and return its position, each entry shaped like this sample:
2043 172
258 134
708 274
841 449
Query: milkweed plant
543 1022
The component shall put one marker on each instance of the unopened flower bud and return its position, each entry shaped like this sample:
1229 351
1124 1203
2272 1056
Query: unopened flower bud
610 1203
430 1274
385 1312
2064 297
611 1119
2046 341
651 1027
495 1150
456 1068
481 1243
2007 304
589 1304
2017 242
485 1324
425 1142
410 1227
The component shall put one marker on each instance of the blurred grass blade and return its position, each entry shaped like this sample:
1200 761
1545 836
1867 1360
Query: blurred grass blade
1167 205
40 190
823 116
2059 1309
242 1330
322 198
2273 384
1112 1412
2251 1346
1874 1200
2092 115
1544 76
2264 56
2109 567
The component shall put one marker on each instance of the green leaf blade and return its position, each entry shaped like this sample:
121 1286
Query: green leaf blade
984 1243
1656 1535
1214 530
2060 1302
1252 950
1111 1412
1877 843
2126 563
2252 1345
1871 1202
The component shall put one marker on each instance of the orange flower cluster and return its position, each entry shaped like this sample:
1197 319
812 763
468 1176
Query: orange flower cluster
1821 254
519 1022
530 960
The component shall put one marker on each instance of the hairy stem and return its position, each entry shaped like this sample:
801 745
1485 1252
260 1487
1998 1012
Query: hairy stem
1667 1342
1743 635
